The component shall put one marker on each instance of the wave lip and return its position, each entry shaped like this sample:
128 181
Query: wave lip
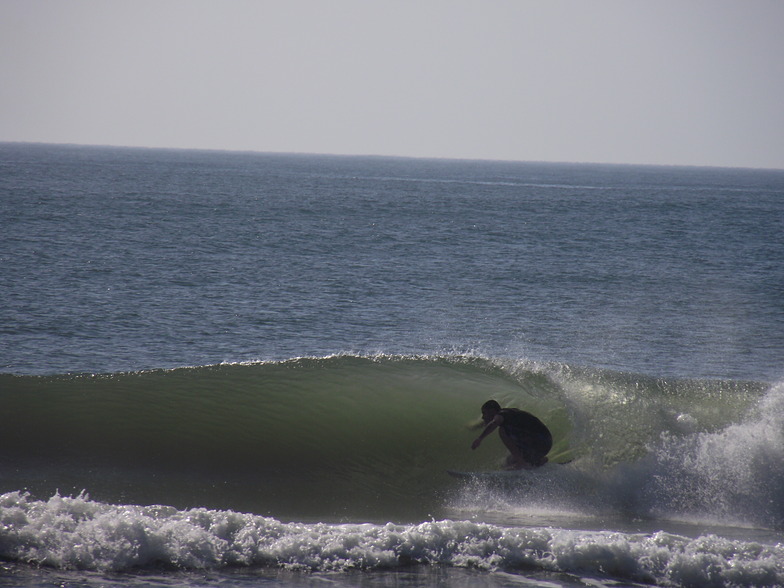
78 533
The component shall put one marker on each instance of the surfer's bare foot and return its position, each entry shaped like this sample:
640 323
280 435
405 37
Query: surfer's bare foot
517 464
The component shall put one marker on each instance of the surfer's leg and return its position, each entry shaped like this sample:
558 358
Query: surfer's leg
526 451
535 451
517 459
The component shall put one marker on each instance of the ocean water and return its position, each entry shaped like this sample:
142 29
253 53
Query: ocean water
241 369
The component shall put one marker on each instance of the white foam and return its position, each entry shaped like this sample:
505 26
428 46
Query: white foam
734 475
78 533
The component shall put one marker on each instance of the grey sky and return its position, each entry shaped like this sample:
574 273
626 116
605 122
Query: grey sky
660 81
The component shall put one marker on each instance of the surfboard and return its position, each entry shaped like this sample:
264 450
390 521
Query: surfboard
492 476
506 476
512 476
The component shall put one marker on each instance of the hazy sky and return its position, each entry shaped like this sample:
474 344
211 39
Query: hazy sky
659 81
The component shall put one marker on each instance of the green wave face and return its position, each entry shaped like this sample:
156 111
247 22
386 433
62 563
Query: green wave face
345 437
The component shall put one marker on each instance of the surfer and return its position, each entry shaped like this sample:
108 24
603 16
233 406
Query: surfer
525 436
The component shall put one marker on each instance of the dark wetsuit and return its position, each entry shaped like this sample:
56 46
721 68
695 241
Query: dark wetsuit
528 433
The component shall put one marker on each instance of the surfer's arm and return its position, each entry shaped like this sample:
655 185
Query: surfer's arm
492 426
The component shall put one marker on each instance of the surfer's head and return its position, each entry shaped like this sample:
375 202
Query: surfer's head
489 410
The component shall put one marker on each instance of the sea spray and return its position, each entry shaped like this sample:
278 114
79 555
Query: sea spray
736 473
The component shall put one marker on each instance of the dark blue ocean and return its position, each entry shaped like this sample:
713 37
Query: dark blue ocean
233 369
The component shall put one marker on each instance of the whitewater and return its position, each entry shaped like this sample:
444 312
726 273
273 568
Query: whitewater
234 368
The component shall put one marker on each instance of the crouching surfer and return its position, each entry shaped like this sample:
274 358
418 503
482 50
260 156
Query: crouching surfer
525 436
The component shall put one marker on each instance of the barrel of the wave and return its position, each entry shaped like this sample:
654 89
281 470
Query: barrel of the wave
344 436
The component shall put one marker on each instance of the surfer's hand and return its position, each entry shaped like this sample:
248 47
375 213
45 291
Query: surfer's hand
476 443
